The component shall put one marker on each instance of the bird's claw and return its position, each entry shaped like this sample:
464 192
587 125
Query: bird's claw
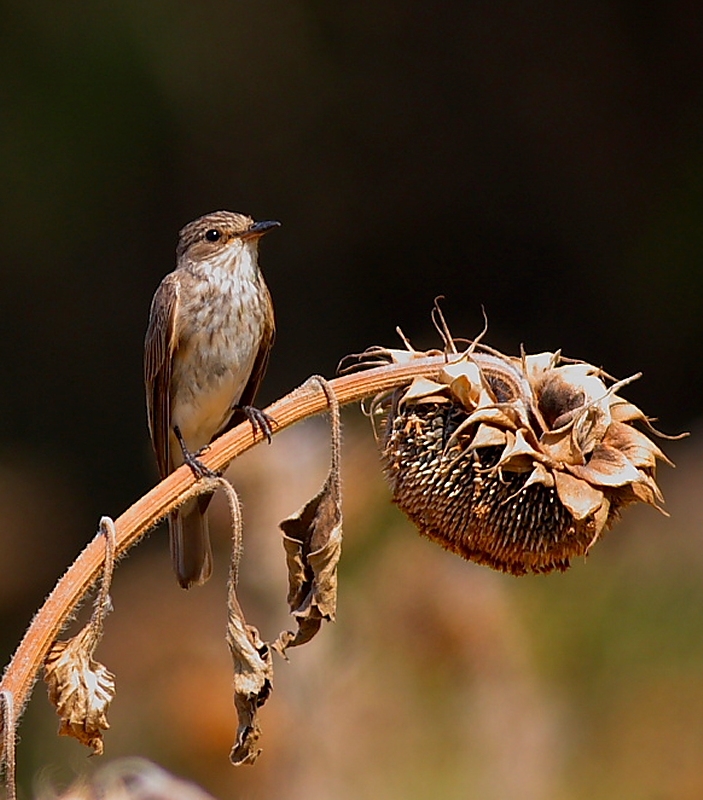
192 459
260 421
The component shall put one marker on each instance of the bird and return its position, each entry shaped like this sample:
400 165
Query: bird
209 335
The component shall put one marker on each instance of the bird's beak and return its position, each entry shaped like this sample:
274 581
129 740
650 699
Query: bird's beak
260 228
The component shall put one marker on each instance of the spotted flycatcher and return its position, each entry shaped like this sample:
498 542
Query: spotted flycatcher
211 328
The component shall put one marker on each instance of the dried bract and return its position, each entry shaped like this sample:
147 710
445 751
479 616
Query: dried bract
517 463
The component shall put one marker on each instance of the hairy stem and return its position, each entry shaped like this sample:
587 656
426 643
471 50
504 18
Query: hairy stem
306 401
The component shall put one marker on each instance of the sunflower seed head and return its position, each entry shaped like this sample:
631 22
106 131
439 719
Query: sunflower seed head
519 464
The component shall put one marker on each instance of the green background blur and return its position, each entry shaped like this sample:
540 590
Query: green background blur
542 159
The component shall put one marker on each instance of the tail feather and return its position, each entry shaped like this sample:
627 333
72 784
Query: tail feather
190 542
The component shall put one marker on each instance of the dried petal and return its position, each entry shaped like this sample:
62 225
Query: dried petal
488 436
536 365
425 389
637 447
622 411
80 688
579 497
558 446
600 520
540 474
491 415
518 455
465 382
607 467
590 426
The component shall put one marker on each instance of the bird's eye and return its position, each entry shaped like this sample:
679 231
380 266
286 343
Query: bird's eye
212 235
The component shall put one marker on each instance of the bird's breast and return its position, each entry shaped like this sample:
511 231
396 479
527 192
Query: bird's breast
221 325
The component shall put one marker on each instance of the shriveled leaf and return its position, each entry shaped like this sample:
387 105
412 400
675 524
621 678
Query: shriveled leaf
577 495
253 681
313 542
80 689
607 467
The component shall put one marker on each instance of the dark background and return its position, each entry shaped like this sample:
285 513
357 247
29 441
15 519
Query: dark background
541 159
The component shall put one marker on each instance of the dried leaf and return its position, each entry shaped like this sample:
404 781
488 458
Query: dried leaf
80 688
312 539
251 657
577 495
253 681
313 542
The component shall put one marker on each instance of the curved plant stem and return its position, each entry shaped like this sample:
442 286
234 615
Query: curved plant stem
306 401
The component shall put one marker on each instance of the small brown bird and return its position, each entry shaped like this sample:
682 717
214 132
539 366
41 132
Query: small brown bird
211 328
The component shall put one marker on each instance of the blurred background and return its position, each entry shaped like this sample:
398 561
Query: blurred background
542 159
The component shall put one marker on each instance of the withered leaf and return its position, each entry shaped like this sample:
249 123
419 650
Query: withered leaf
80 688
253 681
313 543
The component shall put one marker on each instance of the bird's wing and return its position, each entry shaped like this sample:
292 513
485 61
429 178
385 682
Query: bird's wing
159 347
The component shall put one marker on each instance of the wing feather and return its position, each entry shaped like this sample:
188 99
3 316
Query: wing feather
159 346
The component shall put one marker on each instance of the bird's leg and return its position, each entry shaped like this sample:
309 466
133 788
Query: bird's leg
260 420
192 460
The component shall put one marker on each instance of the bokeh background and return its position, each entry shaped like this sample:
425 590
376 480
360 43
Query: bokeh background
543 159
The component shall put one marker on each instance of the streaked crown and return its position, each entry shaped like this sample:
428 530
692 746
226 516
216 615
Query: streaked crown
214 231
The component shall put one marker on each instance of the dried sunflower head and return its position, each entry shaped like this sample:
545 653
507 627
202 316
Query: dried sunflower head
517 463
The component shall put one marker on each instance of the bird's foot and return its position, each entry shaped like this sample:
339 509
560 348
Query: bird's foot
260 421
193 459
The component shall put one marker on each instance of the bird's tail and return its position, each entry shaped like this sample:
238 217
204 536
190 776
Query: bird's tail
190 542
